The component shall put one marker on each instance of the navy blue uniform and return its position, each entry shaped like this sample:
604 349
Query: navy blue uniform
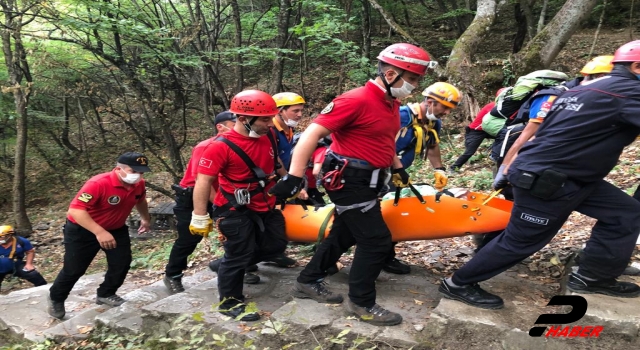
581 139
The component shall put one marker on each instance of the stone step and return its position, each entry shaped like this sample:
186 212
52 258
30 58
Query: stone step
508 328
126 319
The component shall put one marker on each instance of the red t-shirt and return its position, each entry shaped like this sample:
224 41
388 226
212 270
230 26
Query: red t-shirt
219 160
107 201
189 179
476 124
364 125
316 157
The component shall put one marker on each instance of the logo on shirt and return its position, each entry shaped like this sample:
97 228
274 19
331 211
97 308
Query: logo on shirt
113 200
534 219
206 163
327 109
85 197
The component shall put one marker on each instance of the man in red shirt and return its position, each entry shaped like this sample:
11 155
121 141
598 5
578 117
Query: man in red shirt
473 136
244 162
96 220
186 243
363 123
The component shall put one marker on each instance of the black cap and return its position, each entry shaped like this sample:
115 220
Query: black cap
223 117
137 161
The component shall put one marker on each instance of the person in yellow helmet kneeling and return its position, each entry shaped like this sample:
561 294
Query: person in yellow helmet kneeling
16 257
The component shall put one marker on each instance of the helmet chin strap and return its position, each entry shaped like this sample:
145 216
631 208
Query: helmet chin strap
384 80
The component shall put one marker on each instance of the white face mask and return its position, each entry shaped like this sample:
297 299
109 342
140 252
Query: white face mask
251 132
403 91
291 123
131 178
430 115
5 239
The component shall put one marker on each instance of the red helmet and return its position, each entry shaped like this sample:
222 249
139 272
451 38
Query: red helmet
407 57
629 52
253 103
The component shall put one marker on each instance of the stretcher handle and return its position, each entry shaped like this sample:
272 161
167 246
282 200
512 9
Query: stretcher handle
490 197
413 189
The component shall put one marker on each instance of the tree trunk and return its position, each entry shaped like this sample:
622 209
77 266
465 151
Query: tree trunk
18 70
521 33
528 17
239 71
366 29
65 128
543 15
544 47
392 24
459 67
277 69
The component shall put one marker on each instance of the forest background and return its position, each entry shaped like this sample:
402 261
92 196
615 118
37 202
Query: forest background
85 80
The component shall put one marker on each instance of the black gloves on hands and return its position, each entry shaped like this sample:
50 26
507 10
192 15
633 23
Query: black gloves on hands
287 188
400 177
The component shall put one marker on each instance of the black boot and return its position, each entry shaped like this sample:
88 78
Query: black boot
471 294
611 287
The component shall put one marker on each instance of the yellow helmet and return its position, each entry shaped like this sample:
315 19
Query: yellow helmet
598 65
444 93
6 230
284 99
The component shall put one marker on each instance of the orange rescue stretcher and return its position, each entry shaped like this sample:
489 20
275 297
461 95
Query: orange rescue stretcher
440 216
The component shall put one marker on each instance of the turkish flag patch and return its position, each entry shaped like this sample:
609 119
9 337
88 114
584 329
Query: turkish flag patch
204 162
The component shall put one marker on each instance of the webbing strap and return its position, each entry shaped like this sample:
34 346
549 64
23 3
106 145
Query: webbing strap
13 247
324 225
256 170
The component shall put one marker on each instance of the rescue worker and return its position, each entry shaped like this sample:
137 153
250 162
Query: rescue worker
290 108
186 243
96 221
420 129
560 171
363 123
244 162
473 136
539 105
16 257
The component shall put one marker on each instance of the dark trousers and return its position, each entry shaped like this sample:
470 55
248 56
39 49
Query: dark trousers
245 245
80 247
366 229
534 222
186 243
472 141
32 276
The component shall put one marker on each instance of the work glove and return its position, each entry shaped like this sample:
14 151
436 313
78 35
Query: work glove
200 225
441 179
400 178
501 179
288 188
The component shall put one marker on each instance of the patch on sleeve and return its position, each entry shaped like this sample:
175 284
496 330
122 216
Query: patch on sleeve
85 197
327 109
206 163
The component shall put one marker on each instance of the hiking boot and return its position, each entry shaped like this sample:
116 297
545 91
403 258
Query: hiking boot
237 310
316 291
453 171
249 278
283 261
113 300
396 266
376 315
471 294
611 287
173 284
55 308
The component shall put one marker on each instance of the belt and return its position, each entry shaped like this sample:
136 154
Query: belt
355 163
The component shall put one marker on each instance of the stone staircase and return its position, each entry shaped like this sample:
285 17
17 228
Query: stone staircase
429 321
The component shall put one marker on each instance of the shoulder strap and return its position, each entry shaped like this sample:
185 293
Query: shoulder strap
274 146
13 247
257 171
